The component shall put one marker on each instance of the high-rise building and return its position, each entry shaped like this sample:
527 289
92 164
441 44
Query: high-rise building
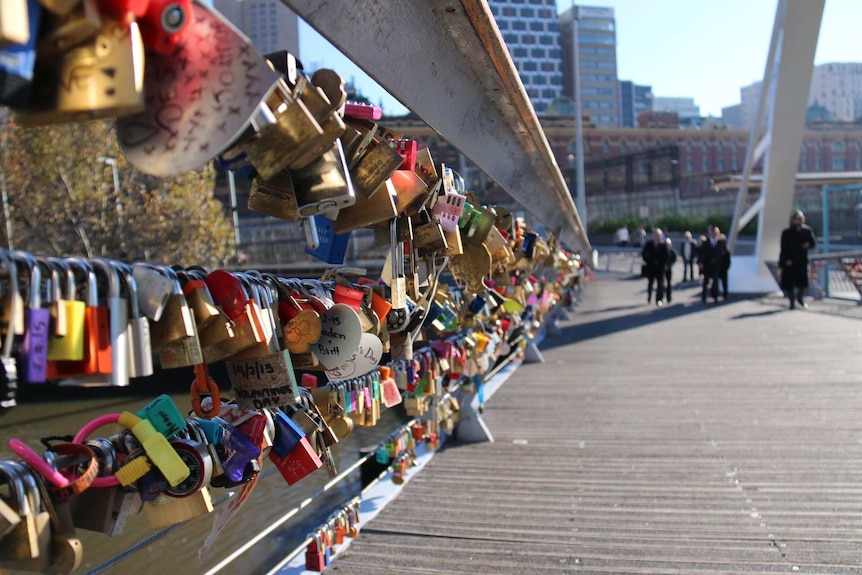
731 116
269 24
837 87
597 51
685 108
530 29
634 99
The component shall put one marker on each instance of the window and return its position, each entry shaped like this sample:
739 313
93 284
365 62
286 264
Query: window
520 53
704 165
838 147
720 164
519 25
529 65
528 12
689 167
538 53
688 145
537 26
606 146
838 164
546 40
596 39
623 146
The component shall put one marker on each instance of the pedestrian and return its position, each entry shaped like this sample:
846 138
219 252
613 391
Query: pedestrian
622 236
654 255
639 237
688 251
708 264
722 257
796 241
668 269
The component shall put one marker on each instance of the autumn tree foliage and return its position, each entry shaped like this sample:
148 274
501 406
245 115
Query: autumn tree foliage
62 200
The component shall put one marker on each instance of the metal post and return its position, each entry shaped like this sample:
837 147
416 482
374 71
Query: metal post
826 232
121 220
580 193
7 215
231 184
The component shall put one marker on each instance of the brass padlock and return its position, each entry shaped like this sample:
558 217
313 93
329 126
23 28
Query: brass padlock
105 509
379 160
369 211
176 322
199 298
28 545
103 77
324 187
284 126
165 510
274 197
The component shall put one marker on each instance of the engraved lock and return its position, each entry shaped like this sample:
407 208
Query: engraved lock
101 77
324 186
19 30
33 346
428 236
374 164
140 350
176 322
105 509
70 345
274 196
154 290
332 247
28 546
165 510
450 206
284 126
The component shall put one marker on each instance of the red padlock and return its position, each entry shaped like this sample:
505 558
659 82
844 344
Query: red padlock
124 11
299 463
315 557
163 24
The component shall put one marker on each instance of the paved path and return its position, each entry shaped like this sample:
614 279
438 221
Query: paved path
688 439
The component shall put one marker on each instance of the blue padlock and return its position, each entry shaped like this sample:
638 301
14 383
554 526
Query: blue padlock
287 435
332 247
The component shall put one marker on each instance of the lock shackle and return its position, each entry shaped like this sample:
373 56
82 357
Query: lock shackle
127 278
63 267
12 272
16 486
112 278
250 287
227 292
83 265
34 273
31 485
52 275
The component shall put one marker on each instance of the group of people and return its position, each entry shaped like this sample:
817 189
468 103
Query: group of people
710 255
712 259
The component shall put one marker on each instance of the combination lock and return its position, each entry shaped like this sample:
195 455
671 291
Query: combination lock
200 465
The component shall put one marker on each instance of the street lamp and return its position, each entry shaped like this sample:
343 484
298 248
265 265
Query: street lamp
121 223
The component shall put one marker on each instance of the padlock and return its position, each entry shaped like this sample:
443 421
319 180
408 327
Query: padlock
450 206
333 246
163 24
397 318
288 434
284 126
324 186
28 545
374 166
165 511
199 299
89 95
315 559
20 22
176 322
322 102
258 313
69 346
118 313
199 461
274 196
122 10
154 289
97 359
33 347
262 382
299 463
11 510
369 211
52 298
429 237
76 25
196 433
184 352
140 349
9 371
389 392
236 452
228 293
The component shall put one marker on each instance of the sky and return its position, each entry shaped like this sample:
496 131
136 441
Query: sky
701 49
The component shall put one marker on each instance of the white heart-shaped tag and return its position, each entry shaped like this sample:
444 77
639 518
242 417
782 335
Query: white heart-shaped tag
340 334
364 359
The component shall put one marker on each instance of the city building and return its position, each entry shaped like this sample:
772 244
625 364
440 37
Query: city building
634 99
685 108
530 29
597 50
732 117
269 24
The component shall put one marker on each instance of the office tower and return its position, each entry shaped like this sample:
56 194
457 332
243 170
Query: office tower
530 29
685 108
269 24
597 46
837 87
634 99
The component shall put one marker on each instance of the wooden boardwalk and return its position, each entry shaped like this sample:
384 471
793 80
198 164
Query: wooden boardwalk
688 439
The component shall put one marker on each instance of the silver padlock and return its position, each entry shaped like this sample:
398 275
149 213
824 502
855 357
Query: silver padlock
138 329
154 290
118 309
324 186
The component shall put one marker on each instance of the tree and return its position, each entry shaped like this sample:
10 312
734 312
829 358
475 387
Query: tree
63 200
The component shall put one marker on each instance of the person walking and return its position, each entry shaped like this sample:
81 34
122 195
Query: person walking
796 242
688 251
654 255
668 269
722 257
708 264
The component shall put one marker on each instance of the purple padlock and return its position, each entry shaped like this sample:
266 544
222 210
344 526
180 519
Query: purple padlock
33 345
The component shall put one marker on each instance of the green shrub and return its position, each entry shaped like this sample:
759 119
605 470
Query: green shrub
675 223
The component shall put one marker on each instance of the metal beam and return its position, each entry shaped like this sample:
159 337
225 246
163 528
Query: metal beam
446 61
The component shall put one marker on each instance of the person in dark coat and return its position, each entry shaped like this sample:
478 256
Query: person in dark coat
796 241
668 269
722 258
655 257
707 263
